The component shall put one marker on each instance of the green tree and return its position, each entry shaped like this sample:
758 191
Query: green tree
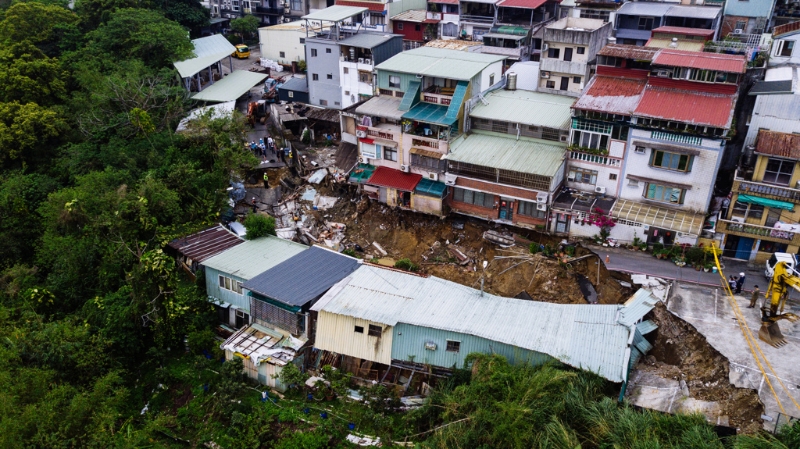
28 132
20 224
27 75
34 22
246 25
259 225
189 13
95 12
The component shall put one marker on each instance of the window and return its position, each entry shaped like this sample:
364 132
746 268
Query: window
400 26
429 163
576 79
639 149
323 102
552 134
359 329
290 94
778 171
671 161
551 84
347 92
374 331
529 209
297 5
346 70
612 176
582 175
773 216
313 52
366 77
453 346
491 79
314 77
741 25
330 76
416 28
580 50
302 40
553 53
645 23
772 247
786 48
230 284
327 50
337 103
282 54
390 154
471 197
666 194
394 81
586 139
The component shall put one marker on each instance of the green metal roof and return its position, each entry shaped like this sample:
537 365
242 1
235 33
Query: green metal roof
765 202
335 13
430 113
207 50
231 87
362 173
253 257
525 155
430 188
455 102
439 63
527 108
507 29
411 97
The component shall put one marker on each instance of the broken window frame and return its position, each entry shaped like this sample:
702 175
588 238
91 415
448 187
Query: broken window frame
374 331
453 346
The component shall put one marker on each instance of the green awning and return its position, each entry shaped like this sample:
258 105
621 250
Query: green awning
430 113
361 173
513 30
411 97
766 202
430 188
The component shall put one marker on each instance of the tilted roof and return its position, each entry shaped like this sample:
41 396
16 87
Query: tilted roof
413 15
396 179
701 60
230 87
382 106
628 52
686 31
206 243
336 13
368 40
525 4
778 144
207 51
439 62
697 108
253 257
524 155
612 95
590 337
526 107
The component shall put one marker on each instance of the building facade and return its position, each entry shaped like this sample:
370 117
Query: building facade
635 21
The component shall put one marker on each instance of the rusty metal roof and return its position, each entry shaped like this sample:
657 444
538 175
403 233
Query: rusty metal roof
696 108
612 95
628 52
786 28
698 60
685 31
205 244
778 144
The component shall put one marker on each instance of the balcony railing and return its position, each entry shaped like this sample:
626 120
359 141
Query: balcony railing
380 133
477 19
761 232
436 98
766 190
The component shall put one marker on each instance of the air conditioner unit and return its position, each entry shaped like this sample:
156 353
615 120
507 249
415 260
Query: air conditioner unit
571 178
404 168
433 176
363 160
430 346
737 219
600 190
541 207
541 197
368 61
545 47
361 134
738 31
563 138
663 73
360 60
545 74
639 150
798 185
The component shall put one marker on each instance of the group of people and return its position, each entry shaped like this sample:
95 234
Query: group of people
263 146
737 283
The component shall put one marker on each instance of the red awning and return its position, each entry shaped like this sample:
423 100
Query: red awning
370 141
526 4
395 179
372 6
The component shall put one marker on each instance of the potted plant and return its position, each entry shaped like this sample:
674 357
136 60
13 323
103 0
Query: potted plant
707 267
680 261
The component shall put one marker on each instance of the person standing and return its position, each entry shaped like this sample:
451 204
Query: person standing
266 180
754 298
254 204
270 144
732 283
740 283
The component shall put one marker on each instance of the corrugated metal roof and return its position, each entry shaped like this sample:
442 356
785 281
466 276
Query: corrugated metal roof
612 95
371 5
652 9
662 217
219 110
700 60
628 52
681 44
637 307
296 84
584 336
538 157
440 63
784 107
389 177
785 29
368 40
253 257
782 87
382 106
778 144
689 107
695 12
231 87
337 13
685 31
430 113
412 15
528 108
207 51
645 327
303 277
206 243
525 4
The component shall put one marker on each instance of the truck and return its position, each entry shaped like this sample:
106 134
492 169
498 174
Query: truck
790 259
242 52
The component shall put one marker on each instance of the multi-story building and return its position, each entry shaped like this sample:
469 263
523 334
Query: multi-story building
378 12
283 43
446 13
785 38
570 48
635 21
415 27
750 17
691 39
269 12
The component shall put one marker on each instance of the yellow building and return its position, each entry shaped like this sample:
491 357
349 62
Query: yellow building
763 215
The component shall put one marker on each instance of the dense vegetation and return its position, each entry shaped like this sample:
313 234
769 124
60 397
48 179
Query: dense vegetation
94 318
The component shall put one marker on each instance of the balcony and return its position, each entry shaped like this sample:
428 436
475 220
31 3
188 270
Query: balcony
428 143
268 11
756 231
377 133
742 185
438 95
477 19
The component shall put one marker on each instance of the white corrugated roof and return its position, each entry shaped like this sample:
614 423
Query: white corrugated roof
207 50
589 337
253 257
336 13
526 107
231 87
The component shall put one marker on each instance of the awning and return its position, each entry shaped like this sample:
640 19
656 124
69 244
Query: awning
663 182
660 217
361 173
430 188
672 148
426 153
511 37
394 179
507 29
766 202
429 113
231 87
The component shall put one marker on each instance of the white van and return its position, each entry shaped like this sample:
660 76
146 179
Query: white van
790 259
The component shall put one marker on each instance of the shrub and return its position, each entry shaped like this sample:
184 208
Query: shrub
259 225
406 264
350 252
535 248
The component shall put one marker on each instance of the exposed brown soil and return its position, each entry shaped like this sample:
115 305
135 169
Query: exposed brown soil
680 352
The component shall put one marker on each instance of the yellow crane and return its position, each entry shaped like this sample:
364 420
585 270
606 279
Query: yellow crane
783 278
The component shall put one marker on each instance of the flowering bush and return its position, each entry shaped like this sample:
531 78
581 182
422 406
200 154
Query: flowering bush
602 221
